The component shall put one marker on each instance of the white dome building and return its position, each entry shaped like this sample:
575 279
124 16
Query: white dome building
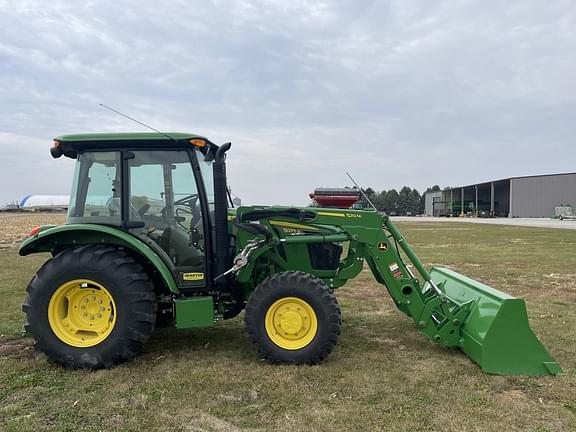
44 202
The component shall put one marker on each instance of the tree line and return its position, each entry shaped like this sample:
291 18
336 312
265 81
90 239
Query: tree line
407 201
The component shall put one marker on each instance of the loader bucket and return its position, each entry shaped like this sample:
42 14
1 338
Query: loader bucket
496 334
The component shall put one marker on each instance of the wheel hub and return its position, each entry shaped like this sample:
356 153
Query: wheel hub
81 313
291 323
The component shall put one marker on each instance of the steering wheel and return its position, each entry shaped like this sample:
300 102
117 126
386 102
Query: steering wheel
188 200
191 202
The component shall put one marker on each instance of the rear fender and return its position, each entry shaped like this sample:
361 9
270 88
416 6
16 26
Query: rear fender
55 238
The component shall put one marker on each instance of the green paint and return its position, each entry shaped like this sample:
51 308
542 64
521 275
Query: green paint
328 238
71 235
194 312
496 333
489 326
126 136
407 249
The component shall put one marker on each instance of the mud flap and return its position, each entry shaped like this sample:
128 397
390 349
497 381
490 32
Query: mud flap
496 333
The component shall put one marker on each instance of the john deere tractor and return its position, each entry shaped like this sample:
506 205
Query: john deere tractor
151 238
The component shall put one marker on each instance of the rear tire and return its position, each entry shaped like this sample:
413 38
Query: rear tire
293 317
84 288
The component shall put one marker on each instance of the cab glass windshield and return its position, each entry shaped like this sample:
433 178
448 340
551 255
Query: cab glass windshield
95 196
208 179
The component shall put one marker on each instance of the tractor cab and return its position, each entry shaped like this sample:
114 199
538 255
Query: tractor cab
160 190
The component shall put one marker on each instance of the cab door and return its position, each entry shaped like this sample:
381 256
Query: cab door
167 206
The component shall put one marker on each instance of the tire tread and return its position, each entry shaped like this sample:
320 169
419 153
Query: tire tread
137 291
279 281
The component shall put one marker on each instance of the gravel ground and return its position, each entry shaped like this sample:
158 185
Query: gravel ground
524 222
14 227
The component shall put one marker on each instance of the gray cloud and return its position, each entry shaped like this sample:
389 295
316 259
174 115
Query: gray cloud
397 92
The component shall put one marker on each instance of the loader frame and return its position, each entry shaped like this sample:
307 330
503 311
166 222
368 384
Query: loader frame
368 236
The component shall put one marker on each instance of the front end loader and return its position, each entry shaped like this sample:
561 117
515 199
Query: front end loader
151 239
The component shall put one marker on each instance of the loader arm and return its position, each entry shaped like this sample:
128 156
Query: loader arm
491 327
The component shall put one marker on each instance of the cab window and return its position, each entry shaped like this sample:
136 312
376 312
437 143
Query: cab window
95 196
164 198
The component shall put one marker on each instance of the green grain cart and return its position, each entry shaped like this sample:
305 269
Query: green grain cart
151 239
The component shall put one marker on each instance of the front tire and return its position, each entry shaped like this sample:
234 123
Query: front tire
90 307
293 317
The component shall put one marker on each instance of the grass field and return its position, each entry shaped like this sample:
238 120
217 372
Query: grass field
382 376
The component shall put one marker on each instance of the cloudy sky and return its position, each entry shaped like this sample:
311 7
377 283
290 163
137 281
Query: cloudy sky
406 92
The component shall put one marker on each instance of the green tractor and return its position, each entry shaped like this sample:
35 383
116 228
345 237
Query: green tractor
151 238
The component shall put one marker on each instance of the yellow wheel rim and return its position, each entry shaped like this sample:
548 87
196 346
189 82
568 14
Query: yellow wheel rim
291 323
82 313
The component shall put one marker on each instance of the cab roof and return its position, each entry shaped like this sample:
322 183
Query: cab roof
71 145
128 136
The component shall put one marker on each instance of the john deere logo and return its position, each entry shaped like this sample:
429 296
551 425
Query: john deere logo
383 246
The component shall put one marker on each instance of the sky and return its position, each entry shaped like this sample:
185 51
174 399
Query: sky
398 92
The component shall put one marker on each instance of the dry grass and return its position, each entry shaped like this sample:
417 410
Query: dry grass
15 226
382 376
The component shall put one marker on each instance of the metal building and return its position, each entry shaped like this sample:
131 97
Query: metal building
430 203
528 196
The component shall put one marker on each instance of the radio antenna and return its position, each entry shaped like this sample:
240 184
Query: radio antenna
362 192
136 121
